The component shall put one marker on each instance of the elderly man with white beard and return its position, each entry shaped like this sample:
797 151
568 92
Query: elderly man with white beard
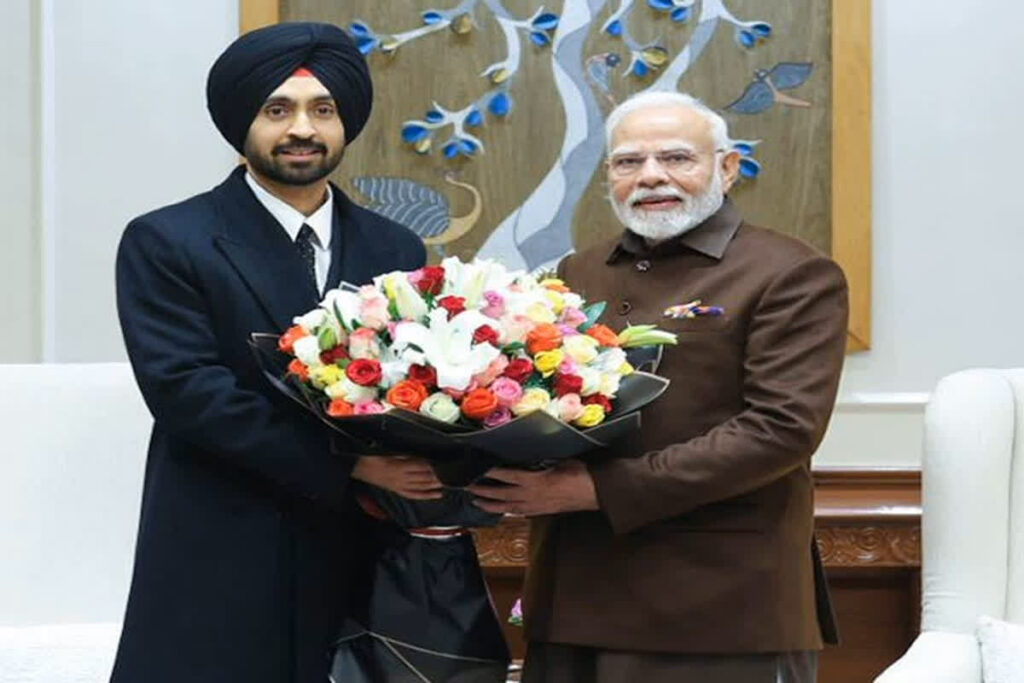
686 552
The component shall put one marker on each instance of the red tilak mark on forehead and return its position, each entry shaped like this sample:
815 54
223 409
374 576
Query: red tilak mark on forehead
303 72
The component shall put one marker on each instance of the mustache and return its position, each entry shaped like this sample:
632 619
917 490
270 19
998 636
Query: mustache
299 147
641 194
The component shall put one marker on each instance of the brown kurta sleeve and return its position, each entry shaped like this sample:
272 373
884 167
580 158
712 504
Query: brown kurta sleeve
794 352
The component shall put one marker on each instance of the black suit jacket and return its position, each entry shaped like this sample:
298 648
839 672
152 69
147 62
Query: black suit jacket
247 540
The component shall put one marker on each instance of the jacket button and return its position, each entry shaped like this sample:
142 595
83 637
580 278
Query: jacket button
625 307
643 266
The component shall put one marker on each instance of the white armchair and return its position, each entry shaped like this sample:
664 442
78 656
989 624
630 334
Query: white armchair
972 526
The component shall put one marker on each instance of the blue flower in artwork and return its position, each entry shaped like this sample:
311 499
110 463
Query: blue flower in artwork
475 118
749 167
540 38
451 150
546 22
640 68
681 15
500 104
614 28
366 40
359 29
431 17
661 5
749 36
414 132
434 116
456 147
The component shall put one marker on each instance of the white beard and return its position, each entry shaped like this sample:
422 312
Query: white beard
662 225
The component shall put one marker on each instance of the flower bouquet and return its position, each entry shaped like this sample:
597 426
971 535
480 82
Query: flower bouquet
468 365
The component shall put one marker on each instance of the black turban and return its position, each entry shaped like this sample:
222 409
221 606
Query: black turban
258 62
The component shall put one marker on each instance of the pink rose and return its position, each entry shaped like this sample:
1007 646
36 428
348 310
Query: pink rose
570 407
457 395
497 418
568 367
568 330
373 308
363 343
492 371
508 391
515 328
495 307
573 317
369 408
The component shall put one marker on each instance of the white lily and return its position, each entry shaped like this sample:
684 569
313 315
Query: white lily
343 304
471 280
447 345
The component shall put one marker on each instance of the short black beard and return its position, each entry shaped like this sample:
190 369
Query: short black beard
270 167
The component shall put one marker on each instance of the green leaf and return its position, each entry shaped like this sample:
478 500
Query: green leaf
327 338
513 347
593 313
344 323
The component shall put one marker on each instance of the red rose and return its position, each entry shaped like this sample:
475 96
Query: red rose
431 280
424 374
485 333
453 304
365 372
567 384
334 355
601 400
519 369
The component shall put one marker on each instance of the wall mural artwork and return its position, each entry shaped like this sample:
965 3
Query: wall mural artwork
487 136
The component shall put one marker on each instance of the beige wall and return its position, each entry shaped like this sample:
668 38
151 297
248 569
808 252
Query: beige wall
20 324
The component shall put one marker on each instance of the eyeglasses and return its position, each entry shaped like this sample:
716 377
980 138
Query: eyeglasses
672 160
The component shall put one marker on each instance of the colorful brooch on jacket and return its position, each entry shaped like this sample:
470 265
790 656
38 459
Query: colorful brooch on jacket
693 309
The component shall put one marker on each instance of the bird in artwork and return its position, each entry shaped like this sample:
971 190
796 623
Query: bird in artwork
420 208
767 86
599 72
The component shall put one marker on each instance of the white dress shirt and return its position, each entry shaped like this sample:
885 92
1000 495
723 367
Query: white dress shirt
292 221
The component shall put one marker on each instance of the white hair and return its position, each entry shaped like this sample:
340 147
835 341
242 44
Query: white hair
662 98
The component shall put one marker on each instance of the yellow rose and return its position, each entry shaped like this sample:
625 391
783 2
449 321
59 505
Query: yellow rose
547 362
582 348
592 415
326 375
539 313
556 300
533 399
626 369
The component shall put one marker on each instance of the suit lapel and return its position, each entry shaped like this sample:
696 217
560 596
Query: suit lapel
259 249
357 256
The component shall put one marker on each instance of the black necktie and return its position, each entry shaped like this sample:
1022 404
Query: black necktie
304 245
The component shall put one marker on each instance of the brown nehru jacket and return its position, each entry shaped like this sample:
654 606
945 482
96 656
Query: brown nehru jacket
703 543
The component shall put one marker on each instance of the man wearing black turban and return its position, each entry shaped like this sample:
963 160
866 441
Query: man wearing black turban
248 539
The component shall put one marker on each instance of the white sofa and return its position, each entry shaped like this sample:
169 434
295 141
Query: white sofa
973 523
73 440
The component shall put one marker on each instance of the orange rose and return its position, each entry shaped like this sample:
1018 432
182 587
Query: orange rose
479 403
408 394
299 369
340 408
544 337
287 341
604 335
